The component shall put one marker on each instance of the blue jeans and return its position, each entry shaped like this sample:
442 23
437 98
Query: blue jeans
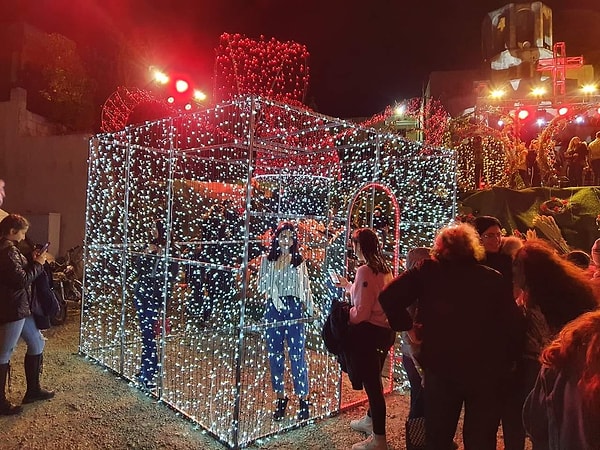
293 334
148 304
11 332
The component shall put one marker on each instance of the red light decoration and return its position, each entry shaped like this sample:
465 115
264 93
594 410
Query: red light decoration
269 68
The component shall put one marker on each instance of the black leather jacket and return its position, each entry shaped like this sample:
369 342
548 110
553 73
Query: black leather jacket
16 278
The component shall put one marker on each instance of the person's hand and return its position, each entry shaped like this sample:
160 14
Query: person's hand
531 234
344 283
40 257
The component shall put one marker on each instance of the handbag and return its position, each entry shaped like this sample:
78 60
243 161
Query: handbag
415 433
44 303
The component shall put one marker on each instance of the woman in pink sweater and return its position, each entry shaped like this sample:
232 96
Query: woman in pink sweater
369 336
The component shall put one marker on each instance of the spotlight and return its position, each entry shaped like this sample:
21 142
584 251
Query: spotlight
562 111
181 86
523 114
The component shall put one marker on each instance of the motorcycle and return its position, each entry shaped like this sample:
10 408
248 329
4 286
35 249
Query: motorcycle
67 275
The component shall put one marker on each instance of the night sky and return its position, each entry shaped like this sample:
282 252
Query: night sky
364 54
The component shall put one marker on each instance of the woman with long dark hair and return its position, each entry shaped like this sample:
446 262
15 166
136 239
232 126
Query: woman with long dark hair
283 279
370 336
563 409
555 292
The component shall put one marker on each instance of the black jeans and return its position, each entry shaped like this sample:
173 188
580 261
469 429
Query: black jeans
444 399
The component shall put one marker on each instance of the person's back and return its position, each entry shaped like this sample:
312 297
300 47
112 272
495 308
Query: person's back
467 319
470 328
563 409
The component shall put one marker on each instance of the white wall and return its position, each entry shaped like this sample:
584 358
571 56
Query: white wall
44 172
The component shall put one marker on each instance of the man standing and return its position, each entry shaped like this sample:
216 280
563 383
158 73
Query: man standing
490 234
594 157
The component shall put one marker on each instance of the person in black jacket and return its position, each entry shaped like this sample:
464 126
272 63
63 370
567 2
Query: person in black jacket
16 278
468 324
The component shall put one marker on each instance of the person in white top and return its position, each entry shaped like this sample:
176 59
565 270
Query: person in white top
594 157
283 279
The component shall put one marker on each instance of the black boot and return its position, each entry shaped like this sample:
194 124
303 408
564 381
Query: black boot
6 407
303 412
33 366
280 409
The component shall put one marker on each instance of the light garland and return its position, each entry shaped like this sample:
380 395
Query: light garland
264 162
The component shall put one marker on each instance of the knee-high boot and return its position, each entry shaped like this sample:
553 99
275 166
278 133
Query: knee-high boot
6 407
33 366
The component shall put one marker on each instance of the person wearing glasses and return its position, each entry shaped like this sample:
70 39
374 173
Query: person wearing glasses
490 235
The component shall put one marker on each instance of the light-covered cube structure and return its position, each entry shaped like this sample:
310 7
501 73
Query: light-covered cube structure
208 188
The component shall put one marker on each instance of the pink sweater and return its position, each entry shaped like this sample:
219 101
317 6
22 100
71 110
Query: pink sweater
364 293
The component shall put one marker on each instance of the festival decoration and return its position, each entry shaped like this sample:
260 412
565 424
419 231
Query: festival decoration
265 67
555 206
218 180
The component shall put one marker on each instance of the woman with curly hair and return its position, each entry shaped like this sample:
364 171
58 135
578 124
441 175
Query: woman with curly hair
554 293
369 336
563 409
470 326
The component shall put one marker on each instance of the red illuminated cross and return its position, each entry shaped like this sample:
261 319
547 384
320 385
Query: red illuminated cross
559 64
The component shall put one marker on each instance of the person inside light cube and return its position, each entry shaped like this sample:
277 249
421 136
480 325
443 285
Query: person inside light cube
283 278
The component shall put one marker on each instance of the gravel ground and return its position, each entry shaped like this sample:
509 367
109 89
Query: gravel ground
94 409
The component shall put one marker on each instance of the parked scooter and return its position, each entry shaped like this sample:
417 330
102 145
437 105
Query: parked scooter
67 274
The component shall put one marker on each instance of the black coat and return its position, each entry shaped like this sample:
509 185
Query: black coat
353 344
16 278
471 326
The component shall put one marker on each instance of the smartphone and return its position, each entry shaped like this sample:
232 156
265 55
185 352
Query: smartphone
333 276
44 248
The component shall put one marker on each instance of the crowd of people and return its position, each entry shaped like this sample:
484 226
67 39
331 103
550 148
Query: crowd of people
503 324
504 330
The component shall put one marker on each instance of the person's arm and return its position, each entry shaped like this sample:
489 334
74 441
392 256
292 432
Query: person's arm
397 296
305 291
364 295
264 274
17 275
535 414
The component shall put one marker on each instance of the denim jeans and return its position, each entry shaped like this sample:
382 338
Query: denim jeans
293 334
148 304
11 332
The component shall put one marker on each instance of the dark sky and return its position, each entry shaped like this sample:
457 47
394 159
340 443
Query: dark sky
364 54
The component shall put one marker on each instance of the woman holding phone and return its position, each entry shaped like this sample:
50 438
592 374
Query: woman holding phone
16 277
369 336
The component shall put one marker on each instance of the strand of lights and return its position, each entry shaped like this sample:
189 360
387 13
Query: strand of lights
210 178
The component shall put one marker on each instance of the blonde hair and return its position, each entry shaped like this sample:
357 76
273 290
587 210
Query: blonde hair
510 245
458 242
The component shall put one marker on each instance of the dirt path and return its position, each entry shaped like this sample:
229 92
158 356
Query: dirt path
94 409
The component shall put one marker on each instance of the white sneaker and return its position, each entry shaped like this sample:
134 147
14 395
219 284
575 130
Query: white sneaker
364 424
373 442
